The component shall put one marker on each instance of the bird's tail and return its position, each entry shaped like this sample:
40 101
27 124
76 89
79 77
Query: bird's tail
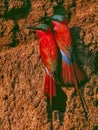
72 71
49 87
72 75
50 91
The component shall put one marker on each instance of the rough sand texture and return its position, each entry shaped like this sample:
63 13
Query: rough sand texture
23 105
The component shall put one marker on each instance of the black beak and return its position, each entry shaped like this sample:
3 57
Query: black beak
31 27
38 27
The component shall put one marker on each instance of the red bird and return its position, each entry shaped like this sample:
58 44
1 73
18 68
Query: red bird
71 72
49 55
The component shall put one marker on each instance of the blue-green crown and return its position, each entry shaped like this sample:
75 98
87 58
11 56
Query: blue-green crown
58 18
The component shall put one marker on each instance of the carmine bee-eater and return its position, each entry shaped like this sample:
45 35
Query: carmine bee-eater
49 55
71 72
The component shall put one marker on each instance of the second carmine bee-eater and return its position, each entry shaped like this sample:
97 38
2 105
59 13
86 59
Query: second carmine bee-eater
71 72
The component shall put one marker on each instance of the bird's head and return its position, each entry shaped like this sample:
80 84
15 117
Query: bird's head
57 20
40 29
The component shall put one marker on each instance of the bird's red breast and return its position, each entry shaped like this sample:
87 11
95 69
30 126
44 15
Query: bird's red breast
48 49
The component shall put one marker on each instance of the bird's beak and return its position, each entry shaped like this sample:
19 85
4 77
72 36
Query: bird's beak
31 27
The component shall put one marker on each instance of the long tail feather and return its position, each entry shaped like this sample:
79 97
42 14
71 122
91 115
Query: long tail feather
72 75
82 101
49 87
50 91
79 93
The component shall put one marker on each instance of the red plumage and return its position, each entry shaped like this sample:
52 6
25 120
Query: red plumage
70 68
71 72
49 86
62 33
48 51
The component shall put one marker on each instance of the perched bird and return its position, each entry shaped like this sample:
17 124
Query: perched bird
49 55
71 72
